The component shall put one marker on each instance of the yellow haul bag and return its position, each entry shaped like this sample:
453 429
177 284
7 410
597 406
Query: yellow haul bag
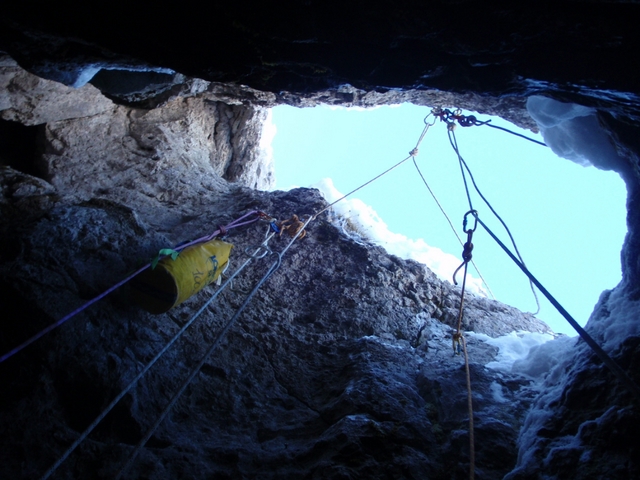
174 281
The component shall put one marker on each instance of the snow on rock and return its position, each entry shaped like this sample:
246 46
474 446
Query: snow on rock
267 181
513 347
363 223
498 393
583 424
614 319
573 132
544 356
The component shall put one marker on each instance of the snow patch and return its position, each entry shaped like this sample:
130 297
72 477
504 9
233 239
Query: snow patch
543 357
265 149
617 321
362 223
614 320
573 132
512 347
497 392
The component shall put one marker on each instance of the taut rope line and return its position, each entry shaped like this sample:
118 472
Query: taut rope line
606 359
194 372
412 154
463 167
361 186
43 332
455 232
517 258
126 390
459 338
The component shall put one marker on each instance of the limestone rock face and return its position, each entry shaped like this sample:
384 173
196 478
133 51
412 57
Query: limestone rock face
311 382
164 144
32 100
341 365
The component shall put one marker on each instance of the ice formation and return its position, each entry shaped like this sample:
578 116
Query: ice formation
516 349
573 132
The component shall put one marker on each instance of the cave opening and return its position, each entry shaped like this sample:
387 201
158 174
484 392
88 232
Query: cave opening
130 86
20 146
559 212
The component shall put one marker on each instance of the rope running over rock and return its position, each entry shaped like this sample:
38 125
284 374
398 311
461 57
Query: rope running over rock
194 372
260 252
221 335
459 338
43 332
230 323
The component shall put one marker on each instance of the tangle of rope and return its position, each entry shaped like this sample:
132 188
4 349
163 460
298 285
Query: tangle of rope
44 331
451 224
131 384
463 165
194 372
470 121
606 359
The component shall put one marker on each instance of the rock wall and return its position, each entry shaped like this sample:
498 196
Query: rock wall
341 365
183 134
302 388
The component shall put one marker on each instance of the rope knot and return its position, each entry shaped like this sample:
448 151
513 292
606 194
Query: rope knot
414 152
467 248
467 251
223 230
469 121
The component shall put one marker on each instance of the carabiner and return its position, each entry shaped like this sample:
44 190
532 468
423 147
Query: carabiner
464 221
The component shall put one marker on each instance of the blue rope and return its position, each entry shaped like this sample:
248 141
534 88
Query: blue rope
606 359
463 167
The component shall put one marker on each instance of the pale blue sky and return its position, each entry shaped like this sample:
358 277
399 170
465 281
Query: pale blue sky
568 220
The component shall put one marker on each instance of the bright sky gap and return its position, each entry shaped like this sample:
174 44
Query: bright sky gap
568 220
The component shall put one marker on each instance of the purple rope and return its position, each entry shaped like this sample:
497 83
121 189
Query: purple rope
233 224
54 325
